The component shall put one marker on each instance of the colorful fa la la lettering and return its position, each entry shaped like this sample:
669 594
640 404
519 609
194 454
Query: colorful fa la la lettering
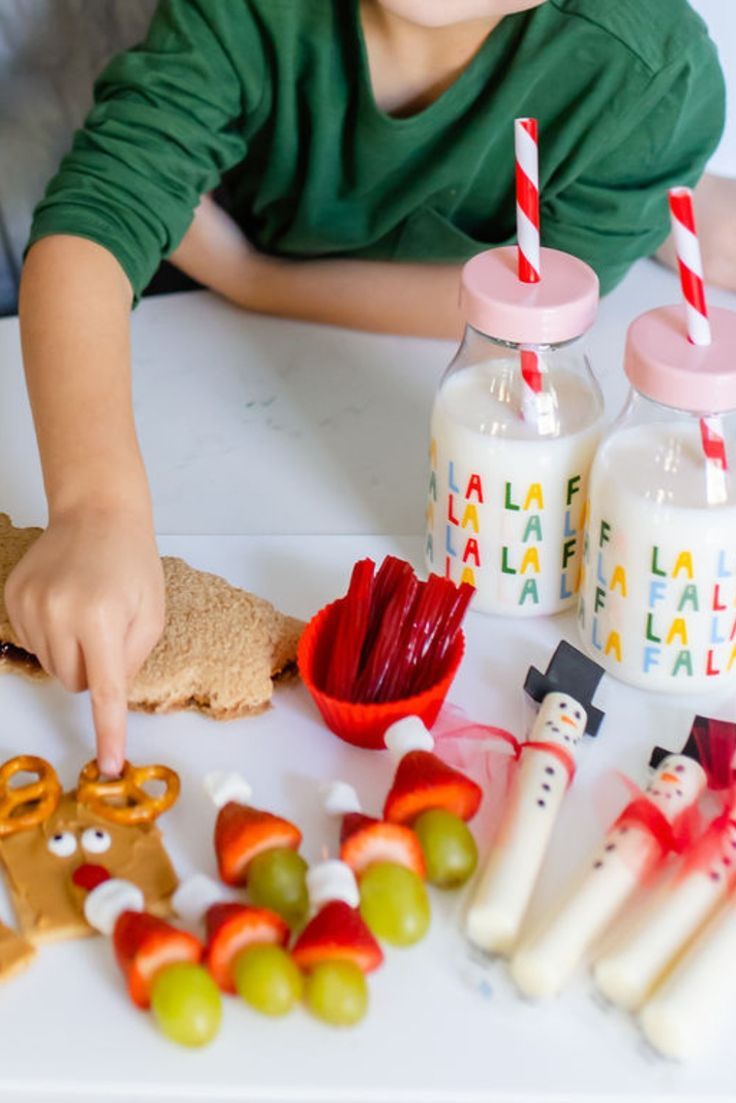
650 827
508 475
658 598
630 970
545 770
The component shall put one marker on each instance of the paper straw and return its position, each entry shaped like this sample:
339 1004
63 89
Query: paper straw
538 405
526 145
687 248
690 266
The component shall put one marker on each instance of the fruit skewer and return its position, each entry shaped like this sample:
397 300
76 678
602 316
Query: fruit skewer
161 964
245 950
336 948
388 863
257 850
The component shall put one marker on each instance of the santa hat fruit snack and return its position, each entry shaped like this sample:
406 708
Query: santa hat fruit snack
545 771
336 949
246 946
258 849
516 420
389 865
160 963
650 827
435 800
389 648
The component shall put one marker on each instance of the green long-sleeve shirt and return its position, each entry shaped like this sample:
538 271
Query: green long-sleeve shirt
277 95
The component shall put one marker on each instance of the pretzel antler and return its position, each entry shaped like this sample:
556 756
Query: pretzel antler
27 806
123 800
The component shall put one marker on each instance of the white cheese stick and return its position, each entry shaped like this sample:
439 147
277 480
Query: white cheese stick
538 788
693 1003
630 971
542 966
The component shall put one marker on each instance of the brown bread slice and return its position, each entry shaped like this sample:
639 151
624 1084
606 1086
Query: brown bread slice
219 653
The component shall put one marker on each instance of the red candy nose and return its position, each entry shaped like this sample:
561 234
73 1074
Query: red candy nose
89 876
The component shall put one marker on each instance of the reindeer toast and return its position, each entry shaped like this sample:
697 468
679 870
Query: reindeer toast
55 846
220 650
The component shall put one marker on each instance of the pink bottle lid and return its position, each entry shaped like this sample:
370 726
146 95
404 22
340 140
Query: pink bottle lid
559 308
662 364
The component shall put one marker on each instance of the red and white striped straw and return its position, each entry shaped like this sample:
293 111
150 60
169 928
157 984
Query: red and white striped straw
687 248
526 146
537 405
690 265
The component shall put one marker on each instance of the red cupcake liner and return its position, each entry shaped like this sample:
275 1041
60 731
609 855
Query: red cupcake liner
364 725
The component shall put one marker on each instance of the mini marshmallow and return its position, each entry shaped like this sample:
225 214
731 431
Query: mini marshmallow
195 895
106 903
222 786
408 734
339 798
332 880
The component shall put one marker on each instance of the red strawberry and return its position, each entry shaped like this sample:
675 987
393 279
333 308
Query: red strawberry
423 781
242 832
144 945
337 933
231 928
365 840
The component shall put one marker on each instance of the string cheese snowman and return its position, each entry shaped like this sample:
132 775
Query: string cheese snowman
644 833
545 771
630 970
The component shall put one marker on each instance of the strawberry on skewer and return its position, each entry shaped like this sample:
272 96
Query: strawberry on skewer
246 946
389 864
160 963
435 800
336 948
257 849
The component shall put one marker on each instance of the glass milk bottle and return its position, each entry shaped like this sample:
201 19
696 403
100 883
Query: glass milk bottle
658 595
516 421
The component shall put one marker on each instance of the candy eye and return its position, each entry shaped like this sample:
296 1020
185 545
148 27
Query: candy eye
563 704
578 714
680 769
95 840
62 845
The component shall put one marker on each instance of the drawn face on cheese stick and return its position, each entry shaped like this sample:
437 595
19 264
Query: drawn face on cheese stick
538 788
677 783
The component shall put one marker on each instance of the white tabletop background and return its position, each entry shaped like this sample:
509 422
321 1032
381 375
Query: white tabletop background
280 453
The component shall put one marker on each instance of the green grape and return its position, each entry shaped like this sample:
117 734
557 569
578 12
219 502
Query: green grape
449 848
186 1004
277 880
394 903
268 979
337 993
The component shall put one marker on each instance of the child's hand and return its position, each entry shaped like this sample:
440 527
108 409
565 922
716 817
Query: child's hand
88 600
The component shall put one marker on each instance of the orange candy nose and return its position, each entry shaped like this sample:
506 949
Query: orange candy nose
670 777
568 720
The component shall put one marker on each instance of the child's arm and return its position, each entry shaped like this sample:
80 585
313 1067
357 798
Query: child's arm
88 598
381 296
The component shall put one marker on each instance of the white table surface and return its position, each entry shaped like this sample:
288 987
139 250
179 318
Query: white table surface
307 445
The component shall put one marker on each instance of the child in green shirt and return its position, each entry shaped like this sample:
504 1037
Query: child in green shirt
367 151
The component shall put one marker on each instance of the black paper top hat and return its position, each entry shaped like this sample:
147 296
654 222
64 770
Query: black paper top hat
570 672
712 743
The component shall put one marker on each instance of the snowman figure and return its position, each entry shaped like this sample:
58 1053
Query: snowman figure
644 833
546 769
631 969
